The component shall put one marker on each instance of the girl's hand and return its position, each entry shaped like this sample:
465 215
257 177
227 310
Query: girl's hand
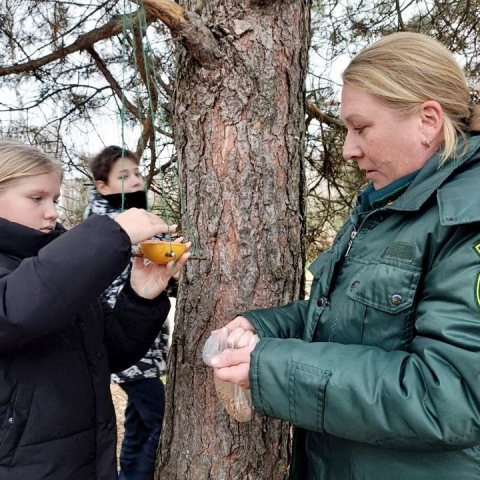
150 279
141 225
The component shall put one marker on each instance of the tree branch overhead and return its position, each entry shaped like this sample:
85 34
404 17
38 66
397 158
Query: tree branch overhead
188 29
83 42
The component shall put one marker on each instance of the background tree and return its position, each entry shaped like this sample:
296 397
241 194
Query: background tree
239 125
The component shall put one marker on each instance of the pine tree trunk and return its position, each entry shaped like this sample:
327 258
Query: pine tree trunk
239 132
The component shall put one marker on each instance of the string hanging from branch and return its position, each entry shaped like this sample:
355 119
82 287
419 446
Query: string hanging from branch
154 125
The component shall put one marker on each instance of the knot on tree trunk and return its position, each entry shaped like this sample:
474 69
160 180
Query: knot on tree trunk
199 41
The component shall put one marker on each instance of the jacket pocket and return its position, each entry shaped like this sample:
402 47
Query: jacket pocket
385 287
14 417
387 293
306 388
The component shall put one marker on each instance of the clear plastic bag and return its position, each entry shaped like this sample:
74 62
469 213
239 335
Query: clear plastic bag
236 400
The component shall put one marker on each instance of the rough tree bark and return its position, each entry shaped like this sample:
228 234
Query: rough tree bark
239 137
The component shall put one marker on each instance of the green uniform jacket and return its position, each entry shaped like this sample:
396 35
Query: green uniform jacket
380 369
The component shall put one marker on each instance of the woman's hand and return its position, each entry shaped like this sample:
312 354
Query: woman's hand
233 366
240 333
141 225
149 279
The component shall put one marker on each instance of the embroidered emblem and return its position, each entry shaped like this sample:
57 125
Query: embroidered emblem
477 290
477 284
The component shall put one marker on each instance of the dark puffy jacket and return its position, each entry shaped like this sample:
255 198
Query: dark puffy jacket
59 344
380 369
154 363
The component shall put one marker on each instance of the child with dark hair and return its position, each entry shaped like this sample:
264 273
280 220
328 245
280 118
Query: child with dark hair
119 186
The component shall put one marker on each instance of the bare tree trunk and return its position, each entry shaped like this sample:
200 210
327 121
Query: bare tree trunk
239 135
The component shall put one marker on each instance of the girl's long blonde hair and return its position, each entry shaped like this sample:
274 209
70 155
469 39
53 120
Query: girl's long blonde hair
18 160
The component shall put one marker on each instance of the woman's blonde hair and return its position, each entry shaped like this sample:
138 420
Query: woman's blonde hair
405 69
18 161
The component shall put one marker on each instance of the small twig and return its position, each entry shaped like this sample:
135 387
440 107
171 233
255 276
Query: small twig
193 257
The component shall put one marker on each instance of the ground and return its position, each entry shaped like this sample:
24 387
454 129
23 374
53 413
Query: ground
119 400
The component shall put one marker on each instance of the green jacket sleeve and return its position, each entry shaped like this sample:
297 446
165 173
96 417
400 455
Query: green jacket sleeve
280 322
427 398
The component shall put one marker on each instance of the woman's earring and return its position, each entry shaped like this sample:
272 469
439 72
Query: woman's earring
427 143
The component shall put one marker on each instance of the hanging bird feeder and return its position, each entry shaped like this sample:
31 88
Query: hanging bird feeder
162 252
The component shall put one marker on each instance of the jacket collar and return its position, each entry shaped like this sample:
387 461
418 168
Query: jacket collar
431 177
22 242
106 204
371 198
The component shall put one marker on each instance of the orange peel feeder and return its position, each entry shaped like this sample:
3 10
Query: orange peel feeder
162 252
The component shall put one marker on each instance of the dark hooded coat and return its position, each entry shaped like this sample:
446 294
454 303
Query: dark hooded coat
59 344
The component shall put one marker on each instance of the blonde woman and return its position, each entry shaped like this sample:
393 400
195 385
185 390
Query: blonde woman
379 371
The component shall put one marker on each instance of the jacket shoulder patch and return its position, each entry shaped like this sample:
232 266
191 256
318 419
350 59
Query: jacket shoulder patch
476 247
477 290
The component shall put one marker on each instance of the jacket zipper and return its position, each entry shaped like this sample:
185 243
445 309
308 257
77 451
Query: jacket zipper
349 246
356 230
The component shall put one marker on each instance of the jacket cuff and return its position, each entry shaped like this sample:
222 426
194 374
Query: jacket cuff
254 377
256 323
141 301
